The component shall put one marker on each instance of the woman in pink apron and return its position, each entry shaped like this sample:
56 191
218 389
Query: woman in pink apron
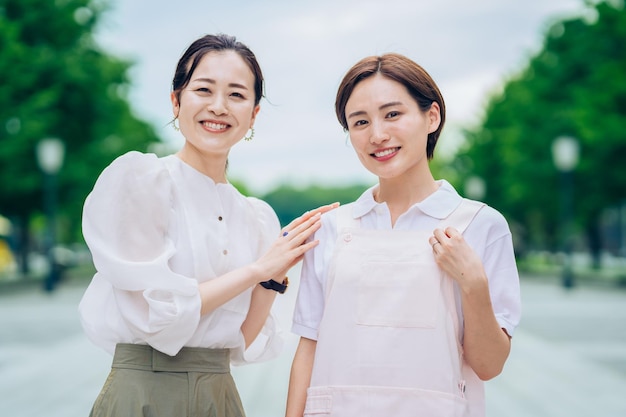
411 298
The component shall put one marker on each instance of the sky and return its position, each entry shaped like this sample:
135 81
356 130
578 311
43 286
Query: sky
469 47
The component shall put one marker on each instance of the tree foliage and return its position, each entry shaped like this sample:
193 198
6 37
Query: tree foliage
574 86
57 82
290 202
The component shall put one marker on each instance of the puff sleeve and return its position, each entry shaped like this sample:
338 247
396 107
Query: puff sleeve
126 224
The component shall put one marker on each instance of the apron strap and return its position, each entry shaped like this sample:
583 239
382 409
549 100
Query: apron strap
345 220
463 215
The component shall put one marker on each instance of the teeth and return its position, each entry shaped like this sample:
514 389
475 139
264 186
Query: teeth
385 152
215 126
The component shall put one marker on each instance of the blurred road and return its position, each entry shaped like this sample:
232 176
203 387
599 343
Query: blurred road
568 357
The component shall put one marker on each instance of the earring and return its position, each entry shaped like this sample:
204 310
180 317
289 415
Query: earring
175 125
249 138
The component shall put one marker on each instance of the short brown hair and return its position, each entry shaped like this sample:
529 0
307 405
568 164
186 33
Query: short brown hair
399 68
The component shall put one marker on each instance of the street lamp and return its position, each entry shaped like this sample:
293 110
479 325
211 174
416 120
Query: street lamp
475 187
565 152
50 154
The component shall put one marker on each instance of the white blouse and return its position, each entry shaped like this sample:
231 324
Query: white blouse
488 234
156 227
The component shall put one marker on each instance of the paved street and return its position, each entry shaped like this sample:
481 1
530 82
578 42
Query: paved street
568 358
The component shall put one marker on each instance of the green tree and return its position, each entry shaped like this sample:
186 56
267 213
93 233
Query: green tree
574 86
290 202
57 82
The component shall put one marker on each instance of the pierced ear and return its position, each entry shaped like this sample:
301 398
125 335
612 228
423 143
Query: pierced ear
175 103
434 115
254 114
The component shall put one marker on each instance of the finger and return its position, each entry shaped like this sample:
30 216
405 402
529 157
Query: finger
440 235
321 210
435 244
452 232
437 247
302 230
300 250
306 216
308 228
299 220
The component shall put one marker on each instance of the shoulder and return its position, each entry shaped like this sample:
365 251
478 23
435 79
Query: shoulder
135 163
265 214
491 216
344 214
135 168
490 223
261 208
344 211
134 177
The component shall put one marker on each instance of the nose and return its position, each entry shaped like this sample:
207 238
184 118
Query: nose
378 134
218 106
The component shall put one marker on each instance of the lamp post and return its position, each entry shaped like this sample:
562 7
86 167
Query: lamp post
565 152
475 187
50 154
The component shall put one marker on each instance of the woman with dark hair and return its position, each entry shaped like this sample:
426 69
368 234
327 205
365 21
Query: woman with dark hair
187 267
412 297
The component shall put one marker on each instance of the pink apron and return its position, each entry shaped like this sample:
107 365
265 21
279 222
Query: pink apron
389 339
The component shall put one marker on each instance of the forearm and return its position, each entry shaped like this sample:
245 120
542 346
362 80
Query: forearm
216 292
486 345
260 307
300 377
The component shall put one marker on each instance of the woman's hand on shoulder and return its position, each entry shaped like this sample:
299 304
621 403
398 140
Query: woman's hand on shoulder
290 246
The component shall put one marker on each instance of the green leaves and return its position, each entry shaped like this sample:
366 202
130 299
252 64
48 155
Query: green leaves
57 82
575 86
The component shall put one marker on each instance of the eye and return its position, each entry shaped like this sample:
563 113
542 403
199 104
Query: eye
392 114
203 90
238 95
360 123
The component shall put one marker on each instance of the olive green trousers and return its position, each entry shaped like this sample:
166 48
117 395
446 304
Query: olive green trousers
145 382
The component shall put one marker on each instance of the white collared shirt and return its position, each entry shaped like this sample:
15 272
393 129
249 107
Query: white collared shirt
156 227
488 234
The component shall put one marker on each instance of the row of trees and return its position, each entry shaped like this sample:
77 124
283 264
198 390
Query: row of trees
574 86
56 81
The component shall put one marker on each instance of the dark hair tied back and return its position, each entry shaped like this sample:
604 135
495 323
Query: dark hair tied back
210 43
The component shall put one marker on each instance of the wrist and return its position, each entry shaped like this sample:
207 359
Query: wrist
279 287
473 285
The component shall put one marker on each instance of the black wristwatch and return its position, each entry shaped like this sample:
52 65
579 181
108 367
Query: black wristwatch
273 285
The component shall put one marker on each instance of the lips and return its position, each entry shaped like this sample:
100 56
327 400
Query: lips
215 126
385 153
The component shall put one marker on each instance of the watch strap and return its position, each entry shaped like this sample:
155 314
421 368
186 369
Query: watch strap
276 286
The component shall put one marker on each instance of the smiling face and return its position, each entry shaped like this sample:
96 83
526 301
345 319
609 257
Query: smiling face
387 128
217 107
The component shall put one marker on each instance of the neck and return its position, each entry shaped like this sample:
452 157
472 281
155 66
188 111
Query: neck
213 167
400 195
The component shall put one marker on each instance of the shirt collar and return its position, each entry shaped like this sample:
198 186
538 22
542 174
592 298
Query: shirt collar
438 205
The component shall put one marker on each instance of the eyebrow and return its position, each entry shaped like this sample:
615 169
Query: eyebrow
384 106
212 81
